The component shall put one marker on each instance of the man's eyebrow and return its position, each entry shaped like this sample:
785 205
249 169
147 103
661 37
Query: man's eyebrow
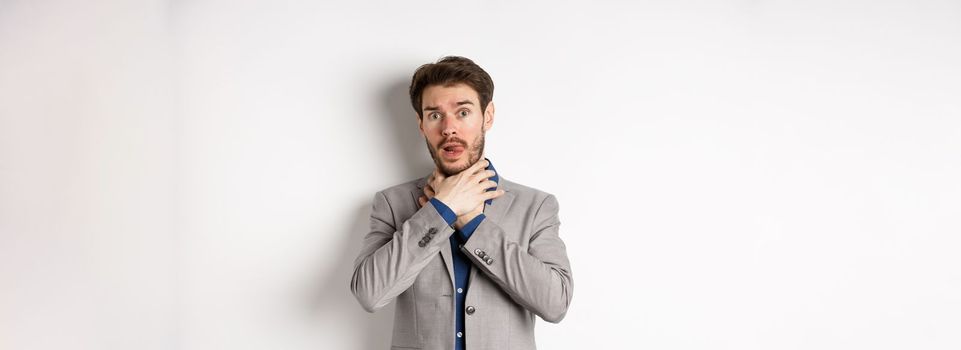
461 103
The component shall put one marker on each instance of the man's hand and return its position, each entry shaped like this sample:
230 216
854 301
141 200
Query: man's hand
462 219
465 192
428 192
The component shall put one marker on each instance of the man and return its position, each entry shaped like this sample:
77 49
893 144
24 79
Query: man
469 256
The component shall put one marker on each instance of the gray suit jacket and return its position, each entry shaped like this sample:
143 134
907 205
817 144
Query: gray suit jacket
519 269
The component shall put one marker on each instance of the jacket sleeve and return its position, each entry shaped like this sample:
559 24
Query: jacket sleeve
538 278
390 259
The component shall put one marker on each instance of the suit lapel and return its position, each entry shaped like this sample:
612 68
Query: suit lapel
498 207
445 251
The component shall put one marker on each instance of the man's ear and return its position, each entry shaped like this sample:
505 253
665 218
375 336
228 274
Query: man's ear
420 126
489 116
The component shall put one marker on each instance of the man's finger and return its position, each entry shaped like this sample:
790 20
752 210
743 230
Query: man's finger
422 200
488 184
429 191
478 166
483 175
492 194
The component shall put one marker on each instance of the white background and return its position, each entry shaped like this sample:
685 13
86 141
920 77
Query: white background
731 174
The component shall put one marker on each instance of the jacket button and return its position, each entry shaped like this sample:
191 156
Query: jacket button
470 310
421 244
489 261
478 252
432 231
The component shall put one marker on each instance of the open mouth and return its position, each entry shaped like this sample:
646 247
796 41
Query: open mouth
452 150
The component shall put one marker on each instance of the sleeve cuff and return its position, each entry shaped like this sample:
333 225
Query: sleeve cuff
471 226
444 211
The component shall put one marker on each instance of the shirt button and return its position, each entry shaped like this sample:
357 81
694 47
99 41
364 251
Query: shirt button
460 290
470 310
460 335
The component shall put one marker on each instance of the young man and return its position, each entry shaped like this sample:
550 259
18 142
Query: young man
469 256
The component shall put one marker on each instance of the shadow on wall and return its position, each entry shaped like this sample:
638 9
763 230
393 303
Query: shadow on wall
409 148
332 300
336 306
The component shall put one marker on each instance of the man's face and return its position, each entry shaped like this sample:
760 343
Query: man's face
453 126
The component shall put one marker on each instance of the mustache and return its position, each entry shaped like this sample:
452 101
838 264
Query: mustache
452 140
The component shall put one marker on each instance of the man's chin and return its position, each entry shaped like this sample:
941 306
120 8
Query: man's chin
455 167
452 169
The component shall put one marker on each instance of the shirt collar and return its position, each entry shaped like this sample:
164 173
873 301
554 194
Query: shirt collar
490 166
496 178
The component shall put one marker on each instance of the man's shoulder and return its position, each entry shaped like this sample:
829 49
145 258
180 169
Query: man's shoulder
523 196
404 189
522 190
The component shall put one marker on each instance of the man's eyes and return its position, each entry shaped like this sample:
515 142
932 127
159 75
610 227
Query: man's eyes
461 113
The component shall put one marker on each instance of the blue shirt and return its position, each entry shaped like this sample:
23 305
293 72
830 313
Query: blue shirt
461 262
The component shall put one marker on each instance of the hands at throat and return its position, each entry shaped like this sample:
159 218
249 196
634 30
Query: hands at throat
464 193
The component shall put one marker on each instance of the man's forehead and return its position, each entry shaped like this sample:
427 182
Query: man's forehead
449 95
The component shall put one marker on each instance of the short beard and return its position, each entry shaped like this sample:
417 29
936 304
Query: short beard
473 156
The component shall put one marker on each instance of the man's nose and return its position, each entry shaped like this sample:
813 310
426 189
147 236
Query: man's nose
449 127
